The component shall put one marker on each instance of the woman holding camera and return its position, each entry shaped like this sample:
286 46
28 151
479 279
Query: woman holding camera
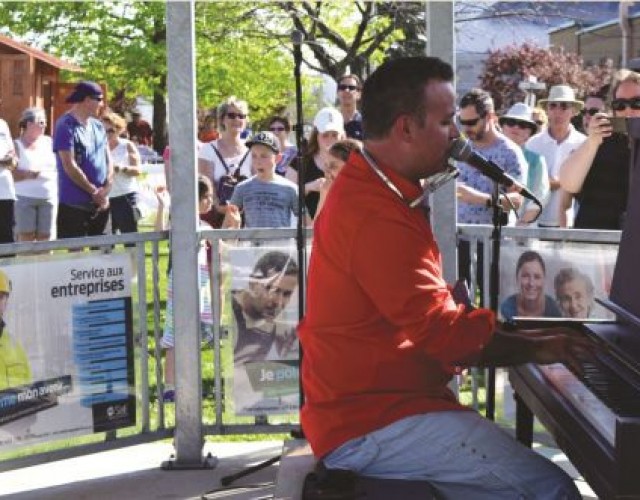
597 172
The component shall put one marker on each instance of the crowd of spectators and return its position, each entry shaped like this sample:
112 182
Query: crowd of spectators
577 163
82 180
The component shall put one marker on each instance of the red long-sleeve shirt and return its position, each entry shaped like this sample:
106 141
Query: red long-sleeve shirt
382 334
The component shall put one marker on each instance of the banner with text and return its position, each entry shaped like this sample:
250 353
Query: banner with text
66 347
262 304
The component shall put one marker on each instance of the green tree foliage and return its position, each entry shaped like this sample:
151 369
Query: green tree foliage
121 44
243 48
506 68
233 59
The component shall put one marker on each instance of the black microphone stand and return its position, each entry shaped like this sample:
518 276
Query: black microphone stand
499 220
296 39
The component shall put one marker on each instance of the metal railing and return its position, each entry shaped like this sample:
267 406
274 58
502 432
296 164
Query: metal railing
478 235
144 244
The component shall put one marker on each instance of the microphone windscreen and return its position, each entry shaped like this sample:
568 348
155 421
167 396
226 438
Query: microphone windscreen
460 149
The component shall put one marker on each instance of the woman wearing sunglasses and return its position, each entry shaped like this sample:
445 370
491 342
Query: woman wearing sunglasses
36 179
281 127
518 125
226 160
597 173
123 196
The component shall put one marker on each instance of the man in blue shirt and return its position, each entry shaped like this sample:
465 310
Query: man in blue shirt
478 121
85 169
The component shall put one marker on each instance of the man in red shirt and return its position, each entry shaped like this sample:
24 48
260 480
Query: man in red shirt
383 336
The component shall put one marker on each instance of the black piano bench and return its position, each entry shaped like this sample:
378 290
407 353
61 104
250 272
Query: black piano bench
327 484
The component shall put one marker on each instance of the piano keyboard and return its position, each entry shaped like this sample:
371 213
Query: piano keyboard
599 393
595 411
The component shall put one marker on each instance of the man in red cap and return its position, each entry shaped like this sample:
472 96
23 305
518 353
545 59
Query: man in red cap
85 169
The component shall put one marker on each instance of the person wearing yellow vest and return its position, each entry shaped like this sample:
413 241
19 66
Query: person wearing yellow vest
14 365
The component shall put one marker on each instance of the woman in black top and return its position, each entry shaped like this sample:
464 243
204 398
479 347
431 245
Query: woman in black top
328 127
597 172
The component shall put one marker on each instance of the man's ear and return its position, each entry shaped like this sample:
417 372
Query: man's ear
278 158
403 128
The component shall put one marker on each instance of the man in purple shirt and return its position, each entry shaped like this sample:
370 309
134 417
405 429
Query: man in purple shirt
85 169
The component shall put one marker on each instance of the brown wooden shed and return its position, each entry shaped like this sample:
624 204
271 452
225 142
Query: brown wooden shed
29 77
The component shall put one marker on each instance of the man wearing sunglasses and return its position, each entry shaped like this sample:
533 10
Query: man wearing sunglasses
556 143
597 173
85 168
348 96
478 121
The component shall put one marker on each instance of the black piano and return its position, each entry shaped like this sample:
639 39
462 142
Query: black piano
595 416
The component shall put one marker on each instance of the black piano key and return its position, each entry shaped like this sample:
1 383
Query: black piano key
610 388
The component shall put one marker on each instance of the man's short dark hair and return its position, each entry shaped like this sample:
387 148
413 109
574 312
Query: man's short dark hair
274 262
397 88
353 77
480 99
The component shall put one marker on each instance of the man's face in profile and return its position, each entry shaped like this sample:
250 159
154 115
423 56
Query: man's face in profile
266 298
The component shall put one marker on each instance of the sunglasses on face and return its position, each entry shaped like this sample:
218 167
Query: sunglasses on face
276 129
562 105
621 104
95 98
350 88
233 116
469 123
591 111
511 122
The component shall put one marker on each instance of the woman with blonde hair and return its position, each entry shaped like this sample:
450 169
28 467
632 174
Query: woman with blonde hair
123 196
226 160
36 179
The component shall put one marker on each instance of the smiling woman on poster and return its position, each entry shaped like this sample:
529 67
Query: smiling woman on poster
530 299
14 365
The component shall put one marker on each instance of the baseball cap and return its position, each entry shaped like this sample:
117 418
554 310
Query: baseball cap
266 139
329 119
83 90
31 115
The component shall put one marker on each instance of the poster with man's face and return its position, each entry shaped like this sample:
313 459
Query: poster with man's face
261 300
555 280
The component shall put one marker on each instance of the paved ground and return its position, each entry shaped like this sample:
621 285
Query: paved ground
134 473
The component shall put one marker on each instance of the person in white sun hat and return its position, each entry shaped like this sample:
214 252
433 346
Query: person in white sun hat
328 128
556 143
518 125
